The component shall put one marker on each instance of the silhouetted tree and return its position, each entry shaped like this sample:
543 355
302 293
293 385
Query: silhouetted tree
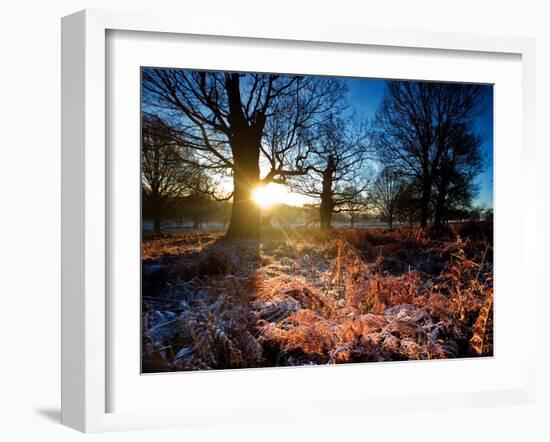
407 204
223 117
385 194
338 166
165 176
416 123
199 208
354 205
460 163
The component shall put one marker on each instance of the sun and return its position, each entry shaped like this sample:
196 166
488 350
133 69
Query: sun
267 196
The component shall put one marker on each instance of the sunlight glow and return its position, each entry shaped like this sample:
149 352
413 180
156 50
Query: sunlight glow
266 196
274 194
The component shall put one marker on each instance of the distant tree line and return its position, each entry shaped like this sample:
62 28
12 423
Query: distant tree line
416 162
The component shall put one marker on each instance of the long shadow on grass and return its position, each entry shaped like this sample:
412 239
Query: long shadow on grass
196 303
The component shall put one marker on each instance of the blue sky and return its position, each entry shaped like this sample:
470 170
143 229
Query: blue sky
366 94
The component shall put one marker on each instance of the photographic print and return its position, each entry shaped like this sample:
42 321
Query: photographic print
296 220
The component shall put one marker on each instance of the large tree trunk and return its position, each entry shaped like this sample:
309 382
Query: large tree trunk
154 208
425 202
327 204
157 224
156 212
424 211
245 146
439 214
245 213
325 212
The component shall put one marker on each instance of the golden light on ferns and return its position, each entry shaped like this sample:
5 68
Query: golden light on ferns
267 196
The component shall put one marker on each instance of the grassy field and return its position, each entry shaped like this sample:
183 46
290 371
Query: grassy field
305 298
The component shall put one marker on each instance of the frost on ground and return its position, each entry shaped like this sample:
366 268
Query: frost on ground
303 298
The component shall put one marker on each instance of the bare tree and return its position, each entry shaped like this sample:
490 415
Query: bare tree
460 163
407 205
354 205
385 194
223 117
416 122
165 176
199 208
338 166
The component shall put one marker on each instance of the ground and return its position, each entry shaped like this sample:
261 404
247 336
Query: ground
301 297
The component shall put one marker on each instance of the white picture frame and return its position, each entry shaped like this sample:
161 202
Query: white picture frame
85 234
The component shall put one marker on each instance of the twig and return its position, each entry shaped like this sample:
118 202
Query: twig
482 261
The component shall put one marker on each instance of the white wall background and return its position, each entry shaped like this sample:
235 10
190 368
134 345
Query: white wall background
30 214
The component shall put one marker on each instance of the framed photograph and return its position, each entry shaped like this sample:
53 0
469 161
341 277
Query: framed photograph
252 213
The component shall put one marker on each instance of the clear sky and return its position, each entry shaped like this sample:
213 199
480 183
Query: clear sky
366 94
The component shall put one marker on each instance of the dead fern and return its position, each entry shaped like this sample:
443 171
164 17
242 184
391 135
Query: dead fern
480 327
352 296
